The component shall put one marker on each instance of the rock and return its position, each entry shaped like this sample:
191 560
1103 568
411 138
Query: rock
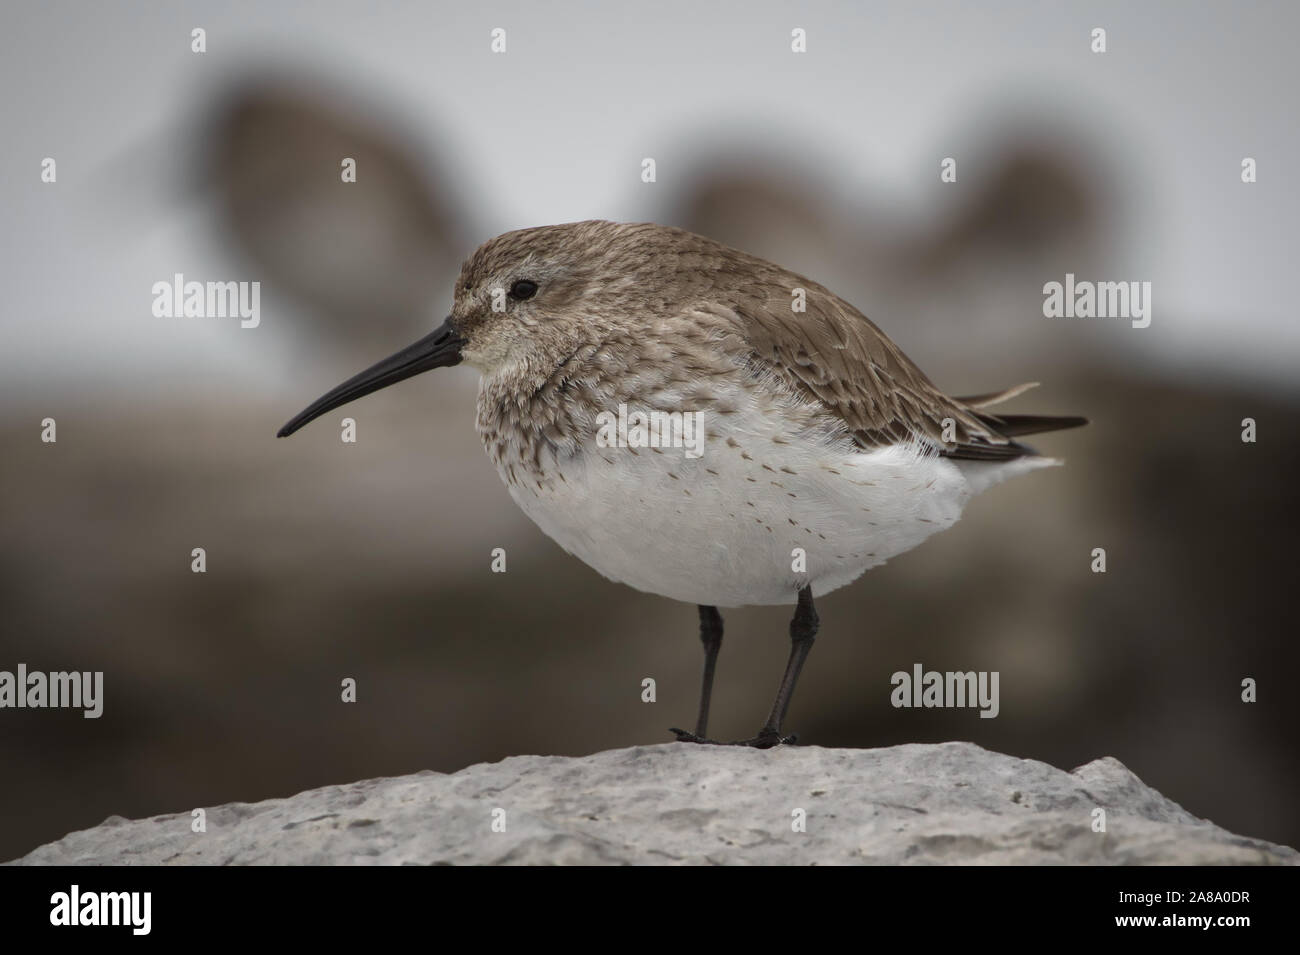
675 803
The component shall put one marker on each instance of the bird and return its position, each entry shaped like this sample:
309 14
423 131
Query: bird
816 449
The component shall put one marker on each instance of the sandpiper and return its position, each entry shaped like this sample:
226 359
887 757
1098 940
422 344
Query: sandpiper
823 449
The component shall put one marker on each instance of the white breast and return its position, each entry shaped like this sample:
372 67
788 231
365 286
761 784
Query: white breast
772 504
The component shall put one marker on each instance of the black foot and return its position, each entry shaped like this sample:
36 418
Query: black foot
766 739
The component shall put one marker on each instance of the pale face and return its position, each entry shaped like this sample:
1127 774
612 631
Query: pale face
519 314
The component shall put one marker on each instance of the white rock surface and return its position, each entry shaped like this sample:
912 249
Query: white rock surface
676 803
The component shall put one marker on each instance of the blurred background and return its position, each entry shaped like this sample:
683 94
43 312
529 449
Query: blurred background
371 560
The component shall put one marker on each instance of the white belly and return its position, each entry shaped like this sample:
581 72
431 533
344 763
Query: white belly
752 520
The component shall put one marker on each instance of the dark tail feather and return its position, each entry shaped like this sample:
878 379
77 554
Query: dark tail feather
1014 425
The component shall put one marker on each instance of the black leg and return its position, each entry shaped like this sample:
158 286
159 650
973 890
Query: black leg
711 637
803 631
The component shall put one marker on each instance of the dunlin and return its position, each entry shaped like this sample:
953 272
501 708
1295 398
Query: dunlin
820 449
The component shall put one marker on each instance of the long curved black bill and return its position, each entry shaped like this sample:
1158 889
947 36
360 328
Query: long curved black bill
437 350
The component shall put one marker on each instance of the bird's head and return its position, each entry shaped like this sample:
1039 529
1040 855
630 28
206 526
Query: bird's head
526 300
525 297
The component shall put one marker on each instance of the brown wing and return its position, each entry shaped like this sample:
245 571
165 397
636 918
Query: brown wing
833 354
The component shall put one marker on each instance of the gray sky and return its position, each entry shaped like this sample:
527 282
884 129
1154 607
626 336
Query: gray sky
555 129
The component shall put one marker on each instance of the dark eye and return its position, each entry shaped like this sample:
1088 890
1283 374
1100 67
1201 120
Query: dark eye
523 289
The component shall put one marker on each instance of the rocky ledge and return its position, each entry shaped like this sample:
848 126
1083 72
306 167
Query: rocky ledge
682 804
